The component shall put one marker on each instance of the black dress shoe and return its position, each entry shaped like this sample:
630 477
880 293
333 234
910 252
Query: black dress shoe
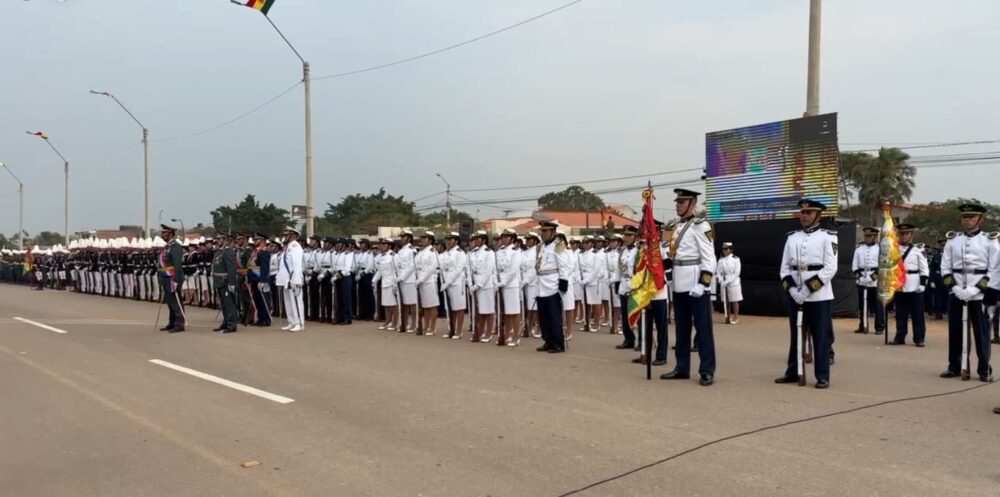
674 375
986 379
821 384
706 380
177 329
786 379
879 332
897 342
995 340
861 331
639 360
231 330
167 328
659 362
556 350
919 344
950 374
220 328
543 348
694 348
264 325
996 410
625 346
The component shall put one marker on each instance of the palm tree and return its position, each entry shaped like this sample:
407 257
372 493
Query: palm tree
886 177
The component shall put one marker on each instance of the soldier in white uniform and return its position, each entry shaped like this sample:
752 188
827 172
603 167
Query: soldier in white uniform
529 283
310 269
808 266
324 273
612 256
865 267
384 281
407 280
592 268
970 264
576 283
569 260
626 266
482 265
553 279
729 280
454 275
427 269
909 300
693 254
290 279
509 275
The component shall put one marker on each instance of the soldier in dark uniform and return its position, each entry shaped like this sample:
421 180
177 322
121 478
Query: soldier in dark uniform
224 280
258 268
242 294
170 271
324 262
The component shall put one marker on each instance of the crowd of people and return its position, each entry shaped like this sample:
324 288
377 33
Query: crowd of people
540 284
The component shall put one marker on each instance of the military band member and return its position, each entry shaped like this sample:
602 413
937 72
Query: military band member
553 279
454 275
508 260
910 299
225 279
729 282
865 267
482 267
407 279
970 265
808 265
170 271
694 265
258 269
290 279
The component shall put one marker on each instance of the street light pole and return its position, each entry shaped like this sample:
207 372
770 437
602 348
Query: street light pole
20 213
447 200
66 173
145 159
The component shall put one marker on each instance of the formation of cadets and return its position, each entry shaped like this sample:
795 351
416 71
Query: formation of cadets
540 284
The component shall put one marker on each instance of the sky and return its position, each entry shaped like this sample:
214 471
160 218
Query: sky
601 89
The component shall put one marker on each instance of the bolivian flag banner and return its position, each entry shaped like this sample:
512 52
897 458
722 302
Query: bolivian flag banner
648 278
262 5
891 267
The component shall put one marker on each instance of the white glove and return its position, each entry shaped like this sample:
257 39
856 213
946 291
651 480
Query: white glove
697 291
972 292
475 288
920 289
865 281
799 294
960 293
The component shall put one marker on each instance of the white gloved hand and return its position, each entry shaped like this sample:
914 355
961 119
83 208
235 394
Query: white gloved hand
960 294
475 288
800 294
865 281
972 292
697 291
921 288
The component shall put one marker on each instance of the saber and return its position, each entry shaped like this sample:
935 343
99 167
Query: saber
966 372
864 309
799 334
475 315
725 300
447 313
159 308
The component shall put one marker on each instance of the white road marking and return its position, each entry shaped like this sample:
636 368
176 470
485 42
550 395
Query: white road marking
40 325
224 382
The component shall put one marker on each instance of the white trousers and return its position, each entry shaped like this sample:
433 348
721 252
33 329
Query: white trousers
293 305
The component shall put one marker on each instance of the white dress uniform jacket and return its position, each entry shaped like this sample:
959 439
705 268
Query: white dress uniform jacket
454 264
626 266
484 269
729 270
865 264
385 271
693 254
971 261
427 267
405 270
551 266
917 270
290 265
509 267
810 258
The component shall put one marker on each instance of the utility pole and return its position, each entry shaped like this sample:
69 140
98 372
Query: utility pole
66 188
812 79
447 201
20 213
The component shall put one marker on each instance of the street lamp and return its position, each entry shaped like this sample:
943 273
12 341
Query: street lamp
66 173
183 231
306 82
20 214
145 159
447 200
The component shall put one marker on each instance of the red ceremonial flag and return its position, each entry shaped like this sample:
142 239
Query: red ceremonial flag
648 278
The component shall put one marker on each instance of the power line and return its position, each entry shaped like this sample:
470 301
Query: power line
551 185
450 47
936 145
231 121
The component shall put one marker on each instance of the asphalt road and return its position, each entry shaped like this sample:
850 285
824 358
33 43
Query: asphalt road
375 413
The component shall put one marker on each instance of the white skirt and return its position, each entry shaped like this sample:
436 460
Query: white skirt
593 295
530 296
511 301
429 295
485 303
388 295
456 297
734 293
569 300
577 291
605 291
409 293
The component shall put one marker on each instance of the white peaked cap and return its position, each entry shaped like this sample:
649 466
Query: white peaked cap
201 239
72 244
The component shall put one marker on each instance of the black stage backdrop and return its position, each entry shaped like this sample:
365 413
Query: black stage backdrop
759 245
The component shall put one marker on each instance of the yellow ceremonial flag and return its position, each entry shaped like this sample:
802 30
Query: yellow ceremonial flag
891 267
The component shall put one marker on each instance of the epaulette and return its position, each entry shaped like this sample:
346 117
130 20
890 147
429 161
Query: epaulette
993 236
919 246
832 232
790 233
698 220
951 234
560 247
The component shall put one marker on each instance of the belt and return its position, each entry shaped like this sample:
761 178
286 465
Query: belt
547 272
913 271
166 269
958 270
687 262
241 271
868 269
220 274
807 267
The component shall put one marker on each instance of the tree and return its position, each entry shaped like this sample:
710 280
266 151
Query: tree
364 214
5 243
15 239
574 198
208 231
935 219
438 219
249 216
130 227
48 239
874 180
